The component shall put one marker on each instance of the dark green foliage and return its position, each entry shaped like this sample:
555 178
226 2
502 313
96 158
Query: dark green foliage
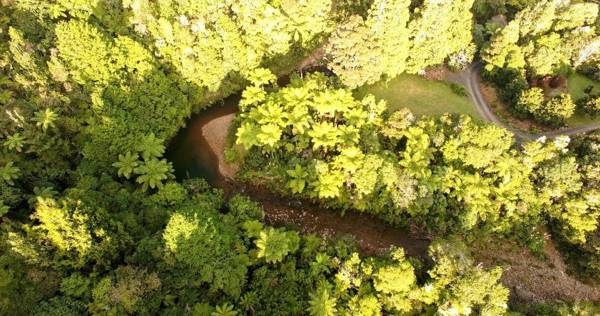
458 89
510 82
92 221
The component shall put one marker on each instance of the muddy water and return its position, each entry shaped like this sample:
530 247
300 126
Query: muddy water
197 151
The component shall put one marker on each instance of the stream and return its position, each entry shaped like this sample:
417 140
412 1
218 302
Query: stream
198 151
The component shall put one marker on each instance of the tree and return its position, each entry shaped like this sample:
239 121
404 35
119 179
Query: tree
388 24
298 179
440 29
199 240
355 53
84 51
531 101
543 38
462 287
224 310
127 164
45 119
557 110
554 111
592 106
150 147
389 41
321 303
151 173
14 142
273 245
130 290
9 172
394 283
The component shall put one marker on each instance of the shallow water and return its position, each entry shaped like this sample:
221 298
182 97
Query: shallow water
198 151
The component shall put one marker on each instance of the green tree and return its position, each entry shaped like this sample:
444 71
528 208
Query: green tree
129 291
150 147
273 245
321 303
45 119
126 165
224 310
15 142
531 101
298 176
557 110
394 283
440 29
9 172
543 38
355 53
592 106
197 238
152 173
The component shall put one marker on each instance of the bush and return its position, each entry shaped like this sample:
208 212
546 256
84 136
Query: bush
591 106
510 83
458 89
557 110
553 112
530 101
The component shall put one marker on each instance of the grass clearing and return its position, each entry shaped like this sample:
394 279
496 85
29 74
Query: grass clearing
576 84
421 96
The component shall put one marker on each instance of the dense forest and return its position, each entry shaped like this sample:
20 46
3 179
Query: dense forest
94 220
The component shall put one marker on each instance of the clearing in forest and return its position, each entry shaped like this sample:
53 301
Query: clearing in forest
421 96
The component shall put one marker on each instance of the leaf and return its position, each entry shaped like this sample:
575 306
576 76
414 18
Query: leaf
45 119
151 147
247 135
153 172
126 164
8 173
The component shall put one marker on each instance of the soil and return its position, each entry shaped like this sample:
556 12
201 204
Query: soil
437 73
532 279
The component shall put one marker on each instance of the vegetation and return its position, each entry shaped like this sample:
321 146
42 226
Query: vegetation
543 40
94 222
343 151
392 41
422 96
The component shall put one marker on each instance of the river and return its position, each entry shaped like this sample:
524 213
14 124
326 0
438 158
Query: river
198 151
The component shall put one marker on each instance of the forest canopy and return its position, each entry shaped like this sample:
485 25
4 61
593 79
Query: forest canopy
94 221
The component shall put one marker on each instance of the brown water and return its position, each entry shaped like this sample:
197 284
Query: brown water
197 151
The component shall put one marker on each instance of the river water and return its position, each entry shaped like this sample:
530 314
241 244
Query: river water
197 151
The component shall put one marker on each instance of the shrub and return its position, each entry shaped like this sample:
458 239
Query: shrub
458 89
530 101
553 112
591 106
557 110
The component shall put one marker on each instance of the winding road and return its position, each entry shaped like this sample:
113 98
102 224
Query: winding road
470 79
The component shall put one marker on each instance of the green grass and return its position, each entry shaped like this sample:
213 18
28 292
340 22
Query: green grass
576 83
421 96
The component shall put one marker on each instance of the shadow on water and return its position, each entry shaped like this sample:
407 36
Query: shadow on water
198 151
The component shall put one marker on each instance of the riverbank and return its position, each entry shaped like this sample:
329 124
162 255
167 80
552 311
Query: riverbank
198 151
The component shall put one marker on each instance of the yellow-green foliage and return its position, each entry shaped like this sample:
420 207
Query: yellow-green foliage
544 37
391 41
